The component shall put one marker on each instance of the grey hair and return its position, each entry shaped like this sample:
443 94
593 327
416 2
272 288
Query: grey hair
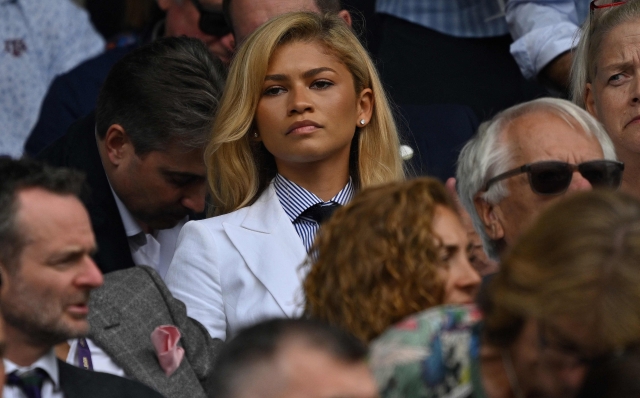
593 32
485 156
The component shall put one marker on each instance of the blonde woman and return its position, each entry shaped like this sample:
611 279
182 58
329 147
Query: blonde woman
303 124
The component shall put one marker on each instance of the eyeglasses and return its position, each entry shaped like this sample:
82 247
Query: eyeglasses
593 6
553 178
212 22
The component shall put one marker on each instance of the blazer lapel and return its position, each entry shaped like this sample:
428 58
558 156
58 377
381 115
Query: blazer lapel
106 330
269 244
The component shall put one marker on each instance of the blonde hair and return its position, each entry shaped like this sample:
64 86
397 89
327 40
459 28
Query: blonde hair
239 170
376 260
581 259
594 31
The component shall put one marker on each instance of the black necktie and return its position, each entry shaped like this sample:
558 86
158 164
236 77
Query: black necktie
320 212
30 382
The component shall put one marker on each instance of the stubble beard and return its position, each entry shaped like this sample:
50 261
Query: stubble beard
40 319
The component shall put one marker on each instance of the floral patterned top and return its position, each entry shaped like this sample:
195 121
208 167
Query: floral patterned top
432 354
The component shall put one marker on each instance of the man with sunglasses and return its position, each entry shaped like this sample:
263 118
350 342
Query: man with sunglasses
73 95
526 158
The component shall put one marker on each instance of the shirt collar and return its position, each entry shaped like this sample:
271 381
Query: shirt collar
47 362
131 227
295 199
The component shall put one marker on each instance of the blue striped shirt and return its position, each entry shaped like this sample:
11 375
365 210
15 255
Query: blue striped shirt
459 18
295 200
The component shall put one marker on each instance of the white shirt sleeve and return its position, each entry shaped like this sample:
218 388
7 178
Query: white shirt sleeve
194 278
541 30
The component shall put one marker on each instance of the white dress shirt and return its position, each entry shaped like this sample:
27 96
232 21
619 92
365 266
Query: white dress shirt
542 30
50 387
100 360
155 249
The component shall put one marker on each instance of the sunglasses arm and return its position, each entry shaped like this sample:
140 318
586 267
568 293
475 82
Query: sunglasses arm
505 175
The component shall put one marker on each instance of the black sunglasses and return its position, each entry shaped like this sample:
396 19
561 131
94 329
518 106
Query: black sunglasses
553 178
212 22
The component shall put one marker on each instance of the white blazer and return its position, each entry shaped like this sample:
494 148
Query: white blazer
237 269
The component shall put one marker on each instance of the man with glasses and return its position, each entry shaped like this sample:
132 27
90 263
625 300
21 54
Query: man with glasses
526 158
73 95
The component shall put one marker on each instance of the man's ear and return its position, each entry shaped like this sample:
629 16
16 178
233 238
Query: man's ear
117 144
590 100
490 216
344 14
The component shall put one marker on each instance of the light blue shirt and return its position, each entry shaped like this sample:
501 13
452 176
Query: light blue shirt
459 18
542 30
295 200
39 39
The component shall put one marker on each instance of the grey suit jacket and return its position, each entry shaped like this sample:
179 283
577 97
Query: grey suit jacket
124 312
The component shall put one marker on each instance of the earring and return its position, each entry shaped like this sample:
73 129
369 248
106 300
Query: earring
255 134
362 122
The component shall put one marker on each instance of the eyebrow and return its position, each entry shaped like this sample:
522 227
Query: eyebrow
306 75
618 65
173 173
452 248
71 253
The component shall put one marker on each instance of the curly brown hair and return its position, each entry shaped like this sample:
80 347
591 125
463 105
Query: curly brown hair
375 261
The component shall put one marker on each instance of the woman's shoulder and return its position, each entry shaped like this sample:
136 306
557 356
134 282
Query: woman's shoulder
427 354
216 222
423 326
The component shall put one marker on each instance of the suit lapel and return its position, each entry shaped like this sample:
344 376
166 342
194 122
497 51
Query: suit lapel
273 251
113 247
73 382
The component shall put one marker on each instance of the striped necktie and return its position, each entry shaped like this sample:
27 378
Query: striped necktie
29 382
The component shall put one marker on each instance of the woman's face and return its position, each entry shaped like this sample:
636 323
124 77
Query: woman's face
614 95
309 110
461 280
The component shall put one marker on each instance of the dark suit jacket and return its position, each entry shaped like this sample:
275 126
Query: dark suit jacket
80 383
436 133
72 96
78 149
126 309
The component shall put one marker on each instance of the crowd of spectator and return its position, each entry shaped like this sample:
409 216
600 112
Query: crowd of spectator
288 198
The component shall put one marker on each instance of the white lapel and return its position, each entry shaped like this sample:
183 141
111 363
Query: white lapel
272 249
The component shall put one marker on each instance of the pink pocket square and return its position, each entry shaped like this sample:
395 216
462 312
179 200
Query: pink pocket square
165 341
